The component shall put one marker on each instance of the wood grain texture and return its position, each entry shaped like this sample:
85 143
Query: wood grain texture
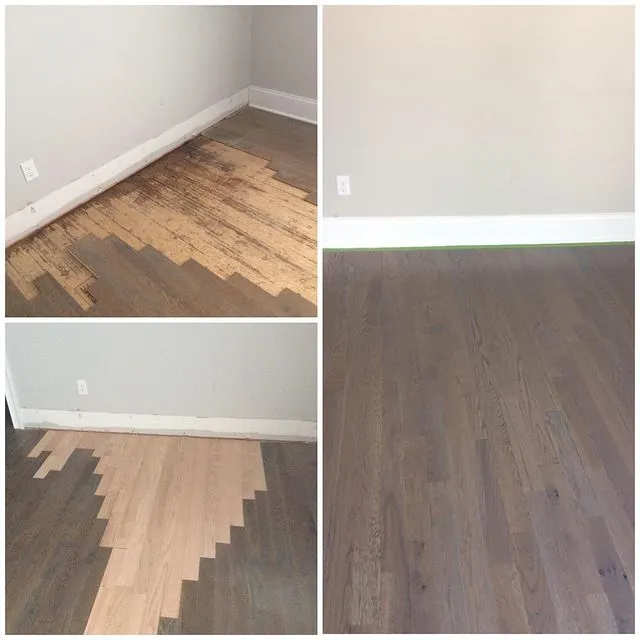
289 145
206 203
478 441
54 562
161 495
264 579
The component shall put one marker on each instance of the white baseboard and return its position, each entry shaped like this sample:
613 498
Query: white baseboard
455 231
170 425
33 216
284 104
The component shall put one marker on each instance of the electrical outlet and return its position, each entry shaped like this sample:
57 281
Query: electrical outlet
82 388
344 185
29 170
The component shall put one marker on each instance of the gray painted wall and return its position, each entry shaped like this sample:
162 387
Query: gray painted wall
479 110
85 84
206 370
284 49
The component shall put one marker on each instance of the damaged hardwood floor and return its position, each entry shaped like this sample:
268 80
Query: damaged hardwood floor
118 565
289 145
479 441
207 230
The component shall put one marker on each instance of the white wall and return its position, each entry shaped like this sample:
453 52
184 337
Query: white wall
284 49
479 110
85 84
263 371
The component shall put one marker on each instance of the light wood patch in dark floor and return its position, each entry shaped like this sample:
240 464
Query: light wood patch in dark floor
264 581
207 230
479 441
289 145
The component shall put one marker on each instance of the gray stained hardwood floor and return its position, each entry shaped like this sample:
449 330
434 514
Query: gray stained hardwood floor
479 440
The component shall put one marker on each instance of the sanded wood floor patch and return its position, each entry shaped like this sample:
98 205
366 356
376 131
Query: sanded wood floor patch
168 501
205 203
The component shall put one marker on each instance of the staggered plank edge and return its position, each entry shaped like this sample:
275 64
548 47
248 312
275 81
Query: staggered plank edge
168 501
121 533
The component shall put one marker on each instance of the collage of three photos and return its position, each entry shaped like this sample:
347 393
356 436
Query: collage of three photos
319 319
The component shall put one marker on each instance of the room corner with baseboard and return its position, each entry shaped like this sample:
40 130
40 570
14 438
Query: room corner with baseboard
201 201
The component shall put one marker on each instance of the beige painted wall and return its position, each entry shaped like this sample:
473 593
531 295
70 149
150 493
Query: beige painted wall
225 370
479 110
86 84
284 49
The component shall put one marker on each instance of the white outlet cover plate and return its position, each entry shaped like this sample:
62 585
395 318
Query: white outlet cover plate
29 170
344 185
82 388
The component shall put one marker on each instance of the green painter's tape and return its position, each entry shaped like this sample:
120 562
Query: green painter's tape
490 246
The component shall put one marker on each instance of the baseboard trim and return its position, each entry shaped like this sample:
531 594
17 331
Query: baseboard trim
284 104
456 231
38 214
256 429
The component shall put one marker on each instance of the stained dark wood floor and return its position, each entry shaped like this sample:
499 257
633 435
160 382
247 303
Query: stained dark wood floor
207 230
479 441
54 561
263 581
289 145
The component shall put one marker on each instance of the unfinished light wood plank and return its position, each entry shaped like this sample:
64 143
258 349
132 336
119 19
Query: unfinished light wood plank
196 504
120 610
107 473
63 449
177 534
214 519
49 463
45 444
